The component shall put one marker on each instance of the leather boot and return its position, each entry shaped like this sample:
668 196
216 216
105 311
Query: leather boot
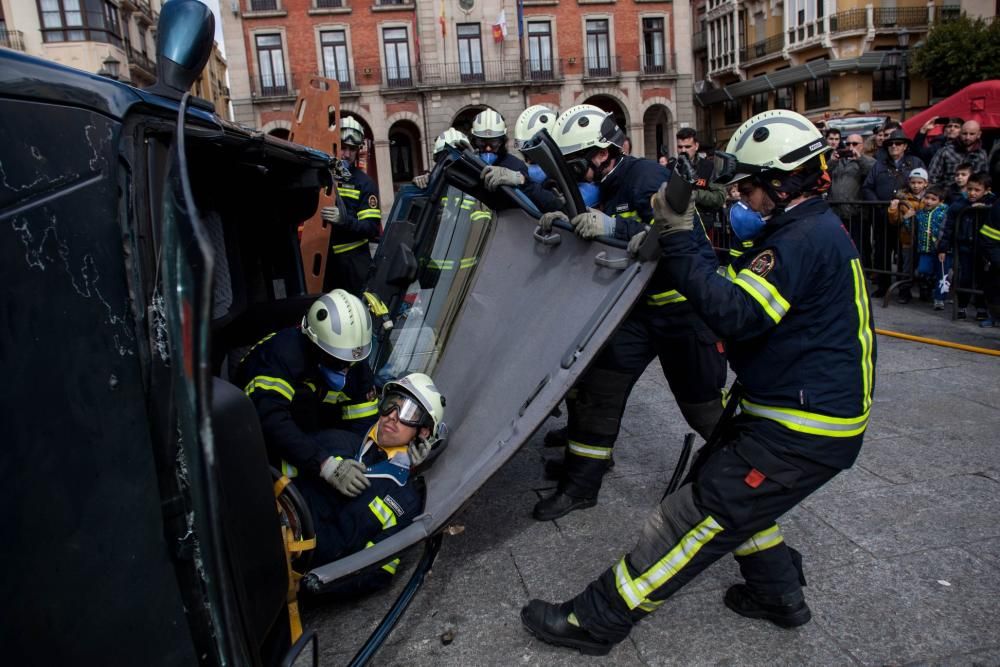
741 600
548 622
559 505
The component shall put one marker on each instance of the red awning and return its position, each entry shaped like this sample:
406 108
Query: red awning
978 101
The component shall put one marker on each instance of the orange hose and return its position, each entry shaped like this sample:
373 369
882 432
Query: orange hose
935 341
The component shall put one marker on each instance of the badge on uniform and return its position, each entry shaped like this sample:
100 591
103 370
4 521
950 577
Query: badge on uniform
372 201
762 263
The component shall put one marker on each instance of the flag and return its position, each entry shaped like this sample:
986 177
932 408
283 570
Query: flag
502 22
443 21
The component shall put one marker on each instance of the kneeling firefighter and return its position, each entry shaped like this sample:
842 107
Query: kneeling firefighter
798 326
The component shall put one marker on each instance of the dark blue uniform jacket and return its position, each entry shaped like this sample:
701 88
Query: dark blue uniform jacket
364 217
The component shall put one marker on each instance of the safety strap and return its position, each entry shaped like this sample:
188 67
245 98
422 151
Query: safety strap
292 545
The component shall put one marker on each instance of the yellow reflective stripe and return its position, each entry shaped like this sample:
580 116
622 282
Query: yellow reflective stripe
990 232
468 262
334 397
254 347
589 451
366 213
443 264
627 214
383 513
765 539
311 386
481 215
733 252
288 470
730 272
360 410
865 336
344 247
808 422
268 383
389 567
665 298
350 193
651 605
468 204
763 293
635 592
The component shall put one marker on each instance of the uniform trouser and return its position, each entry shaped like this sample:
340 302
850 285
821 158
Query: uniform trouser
969 275
692 361
886 240
348 270
724 508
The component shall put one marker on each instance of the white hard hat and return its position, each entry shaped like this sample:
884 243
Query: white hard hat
340 325
451 137
531 120
489 124
782 140
421 388
351 132
585 126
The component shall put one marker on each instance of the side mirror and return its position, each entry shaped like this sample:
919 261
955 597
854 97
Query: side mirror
185 35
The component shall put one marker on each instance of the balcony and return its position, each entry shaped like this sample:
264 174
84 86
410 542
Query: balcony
263 5
656 64
329 4
771 46
901 17
485 72
12 39
276 87
852 19
140 64
545 69
608 67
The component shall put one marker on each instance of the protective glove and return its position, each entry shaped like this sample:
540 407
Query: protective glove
345 475
331 214
636 241
545 222
418 451
592 224
670 220
422 180
496 177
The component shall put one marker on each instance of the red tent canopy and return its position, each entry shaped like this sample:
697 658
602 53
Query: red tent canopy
977 101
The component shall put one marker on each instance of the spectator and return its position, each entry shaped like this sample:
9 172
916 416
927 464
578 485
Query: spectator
663 160
876 148
708 202
927 225
956 189
961 237
833 140
926 150
967 148
847 173
885 180
902 210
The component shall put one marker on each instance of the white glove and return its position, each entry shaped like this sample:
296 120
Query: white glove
418 451
592 224
670 220
545 222
496 177
422 180
331 214
345 475
635 242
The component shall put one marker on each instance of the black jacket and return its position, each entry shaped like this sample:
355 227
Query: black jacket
364 217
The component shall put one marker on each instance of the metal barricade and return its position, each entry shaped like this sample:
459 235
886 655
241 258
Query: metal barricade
967 261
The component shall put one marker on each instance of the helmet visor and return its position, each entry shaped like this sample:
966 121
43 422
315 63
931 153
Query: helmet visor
493 143
408 411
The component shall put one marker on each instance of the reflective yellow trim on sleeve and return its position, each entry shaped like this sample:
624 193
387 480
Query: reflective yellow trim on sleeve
762 541
360 410
808 422
288 470
730 272
441 264
665 298
481 215
335 397
990 232
763 293
365 214
636 592
589 451
346 247
627 214
350 193
468 262
865 335
383 513
468 204
268 383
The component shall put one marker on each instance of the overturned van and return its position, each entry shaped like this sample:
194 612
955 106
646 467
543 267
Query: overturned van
145 242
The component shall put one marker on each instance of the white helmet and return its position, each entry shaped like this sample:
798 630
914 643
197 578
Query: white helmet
340 325
584 127
451 137
782 140
489 124
351 132
531 120
421 388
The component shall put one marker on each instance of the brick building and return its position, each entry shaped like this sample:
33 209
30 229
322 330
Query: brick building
410 69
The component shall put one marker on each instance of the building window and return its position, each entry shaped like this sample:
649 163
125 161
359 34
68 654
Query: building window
733 112
397 58
540 49
654 55
886 84
470 52
818 93
784 98
271 63
598 48
335 62
758 104
329 4
263 5
401 156
79 21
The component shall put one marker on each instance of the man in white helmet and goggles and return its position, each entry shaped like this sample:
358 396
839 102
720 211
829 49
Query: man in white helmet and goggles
797 322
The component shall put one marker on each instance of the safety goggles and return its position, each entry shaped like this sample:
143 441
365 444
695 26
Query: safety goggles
408 411
482 144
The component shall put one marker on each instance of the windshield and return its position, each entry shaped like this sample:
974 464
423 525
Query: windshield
448 250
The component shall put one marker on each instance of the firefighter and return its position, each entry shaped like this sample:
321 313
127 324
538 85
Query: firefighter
662 325
450 137
797 321
310 378
367 489
360 220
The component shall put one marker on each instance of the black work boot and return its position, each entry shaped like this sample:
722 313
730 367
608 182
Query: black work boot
559 505
556 468
741 600
549 622
557 437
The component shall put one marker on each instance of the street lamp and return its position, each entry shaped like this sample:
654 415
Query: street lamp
109 67
903 40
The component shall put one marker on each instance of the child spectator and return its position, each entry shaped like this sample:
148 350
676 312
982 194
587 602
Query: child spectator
927 224
902 209
956 190
960 236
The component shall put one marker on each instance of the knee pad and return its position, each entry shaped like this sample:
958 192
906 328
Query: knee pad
702 417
